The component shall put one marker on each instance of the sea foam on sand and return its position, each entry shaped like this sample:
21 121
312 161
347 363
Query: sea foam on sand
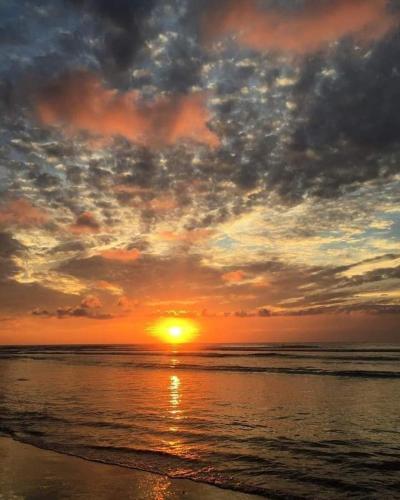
29 472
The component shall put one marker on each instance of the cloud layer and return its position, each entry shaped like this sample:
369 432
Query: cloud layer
178 157
300 31
79 102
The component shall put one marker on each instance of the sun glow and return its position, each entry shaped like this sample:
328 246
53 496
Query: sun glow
175 330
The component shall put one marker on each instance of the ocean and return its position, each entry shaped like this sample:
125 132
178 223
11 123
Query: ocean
277 420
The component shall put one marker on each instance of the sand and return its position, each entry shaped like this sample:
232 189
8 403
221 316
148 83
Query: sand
27 472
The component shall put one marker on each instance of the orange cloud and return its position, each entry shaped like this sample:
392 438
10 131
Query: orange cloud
80 102
21 212
234 277
85 223
91 302
122 255
299 32
163 204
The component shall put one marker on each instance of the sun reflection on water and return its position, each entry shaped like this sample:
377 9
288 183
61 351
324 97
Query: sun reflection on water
175 396
161 487
175 412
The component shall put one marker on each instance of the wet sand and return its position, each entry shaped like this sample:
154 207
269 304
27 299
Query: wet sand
27 472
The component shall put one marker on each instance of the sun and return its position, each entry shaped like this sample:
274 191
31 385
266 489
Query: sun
175 330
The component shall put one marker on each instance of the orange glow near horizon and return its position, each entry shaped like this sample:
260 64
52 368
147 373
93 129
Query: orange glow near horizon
175 330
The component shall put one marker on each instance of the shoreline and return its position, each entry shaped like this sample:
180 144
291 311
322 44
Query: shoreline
29 471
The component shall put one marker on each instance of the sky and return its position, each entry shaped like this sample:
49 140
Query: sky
233 162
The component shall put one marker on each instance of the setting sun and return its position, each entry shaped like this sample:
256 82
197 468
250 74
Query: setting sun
175 330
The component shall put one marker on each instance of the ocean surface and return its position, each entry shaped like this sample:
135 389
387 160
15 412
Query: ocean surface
277 420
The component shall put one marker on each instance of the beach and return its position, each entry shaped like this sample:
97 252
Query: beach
27 472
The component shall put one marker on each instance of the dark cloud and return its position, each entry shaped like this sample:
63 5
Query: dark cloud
9 248
348 129
369 308
23 297
70 246
358 101
85 222
72 312
90 308
122 23
8 269
341 129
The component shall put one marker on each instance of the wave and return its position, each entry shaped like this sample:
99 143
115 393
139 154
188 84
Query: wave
310 371
175 467
103 455
60 355
261 369
226 467
197 348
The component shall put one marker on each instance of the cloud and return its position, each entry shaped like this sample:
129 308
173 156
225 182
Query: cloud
126 304
9 248
79 102
302 31
91 302
244 314
384 261
85 223
368 308
163 204
20 212
332 128
355 98
90 308
122 255
122 23
116 192
346 127
18 298
234 277
108 287
188 237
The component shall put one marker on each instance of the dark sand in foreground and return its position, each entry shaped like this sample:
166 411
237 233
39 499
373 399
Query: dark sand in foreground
27 472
